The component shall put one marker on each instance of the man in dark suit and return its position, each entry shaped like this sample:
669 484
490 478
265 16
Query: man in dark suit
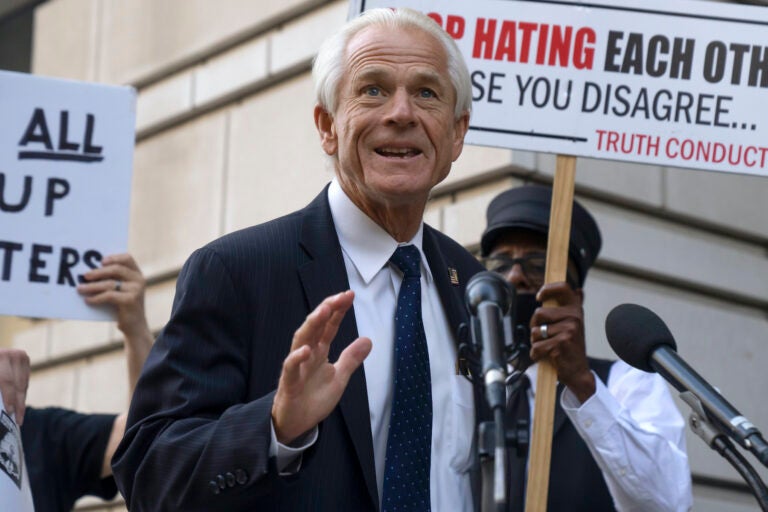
618 439
254 397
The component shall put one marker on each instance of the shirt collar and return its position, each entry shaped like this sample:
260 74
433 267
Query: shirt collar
366 243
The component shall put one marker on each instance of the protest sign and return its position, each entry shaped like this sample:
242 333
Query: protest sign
15 492
673 83
66 152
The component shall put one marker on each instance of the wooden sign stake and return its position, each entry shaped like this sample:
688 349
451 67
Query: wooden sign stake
546 381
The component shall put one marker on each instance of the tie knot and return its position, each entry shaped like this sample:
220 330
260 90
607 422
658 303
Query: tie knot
407 259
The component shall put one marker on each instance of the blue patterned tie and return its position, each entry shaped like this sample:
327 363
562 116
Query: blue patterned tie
409 443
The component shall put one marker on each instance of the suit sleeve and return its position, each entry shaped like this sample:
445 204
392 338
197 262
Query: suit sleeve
193 442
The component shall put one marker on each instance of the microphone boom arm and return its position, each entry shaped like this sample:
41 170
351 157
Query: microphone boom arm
718 441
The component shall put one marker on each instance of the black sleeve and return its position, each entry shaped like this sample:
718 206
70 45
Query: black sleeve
64 452
188 425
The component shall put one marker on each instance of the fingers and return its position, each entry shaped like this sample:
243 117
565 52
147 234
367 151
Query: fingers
114 271
291 376
564 331
311 342
124 259
351 358
310 386
322 324
118 282
116 267
560 292
107 290
14 380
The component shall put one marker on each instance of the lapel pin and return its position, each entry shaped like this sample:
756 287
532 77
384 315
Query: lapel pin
454 276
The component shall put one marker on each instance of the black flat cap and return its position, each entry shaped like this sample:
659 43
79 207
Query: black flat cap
528 207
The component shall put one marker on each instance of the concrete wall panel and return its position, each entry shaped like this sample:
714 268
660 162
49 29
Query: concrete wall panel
64 39
732 201
176 201
143 36
275 162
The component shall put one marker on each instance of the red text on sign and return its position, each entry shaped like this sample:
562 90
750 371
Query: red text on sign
686 149
539 43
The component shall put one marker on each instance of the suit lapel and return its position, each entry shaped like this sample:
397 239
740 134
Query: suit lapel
443 272
323 274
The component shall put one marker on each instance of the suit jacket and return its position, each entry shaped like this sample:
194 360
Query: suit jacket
199 424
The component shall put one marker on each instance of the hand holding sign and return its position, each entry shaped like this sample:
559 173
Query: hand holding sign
65 181
118 282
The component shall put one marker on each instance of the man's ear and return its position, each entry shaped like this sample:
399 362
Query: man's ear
327 130
461 125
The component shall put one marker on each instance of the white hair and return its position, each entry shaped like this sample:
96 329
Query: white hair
330 65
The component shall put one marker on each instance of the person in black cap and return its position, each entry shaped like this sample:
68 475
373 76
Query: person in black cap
618 438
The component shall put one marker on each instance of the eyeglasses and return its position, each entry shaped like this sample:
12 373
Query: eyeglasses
533 265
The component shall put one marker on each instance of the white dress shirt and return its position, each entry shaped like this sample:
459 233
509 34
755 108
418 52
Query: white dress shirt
637 437
366 248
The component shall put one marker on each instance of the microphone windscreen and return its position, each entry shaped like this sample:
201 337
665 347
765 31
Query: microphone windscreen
635 332
489 287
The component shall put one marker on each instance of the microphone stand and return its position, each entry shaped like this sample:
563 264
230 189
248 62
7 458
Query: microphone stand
718 441
489 299
493 440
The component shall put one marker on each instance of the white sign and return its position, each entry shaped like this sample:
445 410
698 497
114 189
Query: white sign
66 152
666 82
15 492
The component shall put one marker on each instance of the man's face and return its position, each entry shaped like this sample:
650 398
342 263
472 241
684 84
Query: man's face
521 244
394 132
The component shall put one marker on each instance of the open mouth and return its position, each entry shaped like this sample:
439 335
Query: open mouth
398 152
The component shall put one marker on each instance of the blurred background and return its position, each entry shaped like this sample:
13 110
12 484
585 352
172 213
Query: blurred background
225 139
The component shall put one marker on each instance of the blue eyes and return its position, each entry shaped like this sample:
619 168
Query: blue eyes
375 91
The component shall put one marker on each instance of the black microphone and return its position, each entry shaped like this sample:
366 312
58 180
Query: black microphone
489 299
641 339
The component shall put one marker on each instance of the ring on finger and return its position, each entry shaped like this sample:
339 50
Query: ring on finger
118 285
543 331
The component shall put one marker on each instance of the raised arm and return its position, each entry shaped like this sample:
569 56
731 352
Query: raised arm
204 405
120 283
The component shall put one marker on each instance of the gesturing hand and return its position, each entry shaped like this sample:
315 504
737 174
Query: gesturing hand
310 386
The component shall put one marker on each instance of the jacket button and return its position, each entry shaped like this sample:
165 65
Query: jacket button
221 481
214 487
241 476
230 479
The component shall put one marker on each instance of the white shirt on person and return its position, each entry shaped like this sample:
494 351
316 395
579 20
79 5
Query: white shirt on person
366 248
636 435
